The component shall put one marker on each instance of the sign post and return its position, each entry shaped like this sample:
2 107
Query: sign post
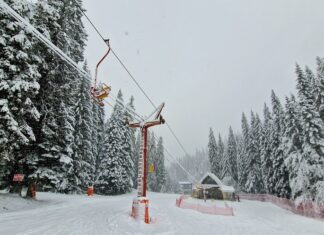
17 180
18 177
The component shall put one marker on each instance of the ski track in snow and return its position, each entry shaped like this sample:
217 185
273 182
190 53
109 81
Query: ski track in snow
78 214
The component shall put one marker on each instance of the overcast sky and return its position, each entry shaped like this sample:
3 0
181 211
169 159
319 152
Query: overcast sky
209 60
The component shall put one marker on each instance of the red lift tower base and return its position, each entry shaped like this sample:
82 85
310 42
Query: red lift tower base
140 207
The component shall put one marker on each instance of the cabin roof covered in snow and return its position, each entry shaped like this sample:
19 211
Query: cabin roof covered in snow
217 181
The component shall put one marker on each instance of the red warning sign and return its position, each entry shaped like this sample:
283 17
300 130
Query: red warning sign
18 177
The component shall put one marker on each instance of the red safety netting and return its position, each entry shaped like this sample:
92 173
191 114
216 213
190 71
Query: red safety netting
211 209
310 209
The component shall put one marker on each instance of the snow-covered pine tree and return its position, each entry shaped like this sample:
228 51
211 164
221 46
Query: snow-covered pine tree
98 133
292 143
254 183
101 183
213 154
83 156
319 87
151 160
240 162
130 136
244 152
19 84
160 167
65 169
115 166
265 141
60 21
279 177
224 160
232 154
311 174
45 20
168 184
129 109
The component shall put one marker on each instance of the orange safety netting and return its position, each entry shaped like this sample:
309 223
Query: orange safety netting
207 209
308 208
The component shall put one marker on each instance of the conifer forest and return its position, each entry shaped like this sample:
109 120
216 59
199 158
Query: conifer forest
53 132
50 129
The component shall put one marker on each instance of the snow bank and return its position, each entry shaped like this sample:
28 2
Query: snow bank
80 214
308 208
13 202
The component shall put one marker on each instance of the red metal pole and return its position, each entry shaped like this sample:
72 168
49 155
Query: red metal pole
144 130
102 59
142 178
96 73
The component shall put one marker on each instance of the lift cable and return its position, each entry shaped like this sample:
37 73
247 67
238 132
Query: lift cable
133 78
43 39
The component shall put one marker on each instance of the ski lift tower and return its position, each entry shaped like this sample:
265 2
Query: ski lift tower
141 202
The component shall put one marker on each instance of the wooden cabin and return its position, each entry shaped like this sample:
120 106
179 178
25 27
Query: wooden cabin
213 187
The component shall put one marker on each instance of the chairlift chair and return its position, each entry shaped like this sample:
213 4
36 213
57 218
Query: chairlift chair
101 91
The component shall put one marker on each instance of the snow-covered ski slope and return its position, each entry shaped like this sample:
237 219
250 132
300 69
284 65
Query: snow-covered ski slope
78 214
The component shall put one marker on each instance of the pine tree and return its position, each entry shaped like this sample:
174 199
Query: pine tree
66 141
45 159
306 91
254 183
279 178
232 154
319 87
160 167
115 166
213 155
244 152
292 143
130 137
60 21
310 174
83 156
266 160
98 133
225 164
19 85
240 162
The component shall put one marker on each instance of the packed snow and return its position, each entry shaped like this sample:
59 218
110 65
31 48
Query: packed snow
79 214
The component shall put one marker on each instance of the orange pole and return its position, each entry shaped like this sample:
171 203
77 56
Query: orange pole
146 220
102 59
33 191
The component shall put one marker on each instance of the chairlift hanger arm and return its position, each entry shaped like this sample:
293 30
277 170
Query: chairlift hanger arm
102 59
146 124
100 93
153 123
157 111
134 125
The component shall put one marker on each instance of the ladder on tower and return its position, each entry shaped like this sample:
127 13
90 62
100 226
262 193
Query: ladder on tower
140 178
